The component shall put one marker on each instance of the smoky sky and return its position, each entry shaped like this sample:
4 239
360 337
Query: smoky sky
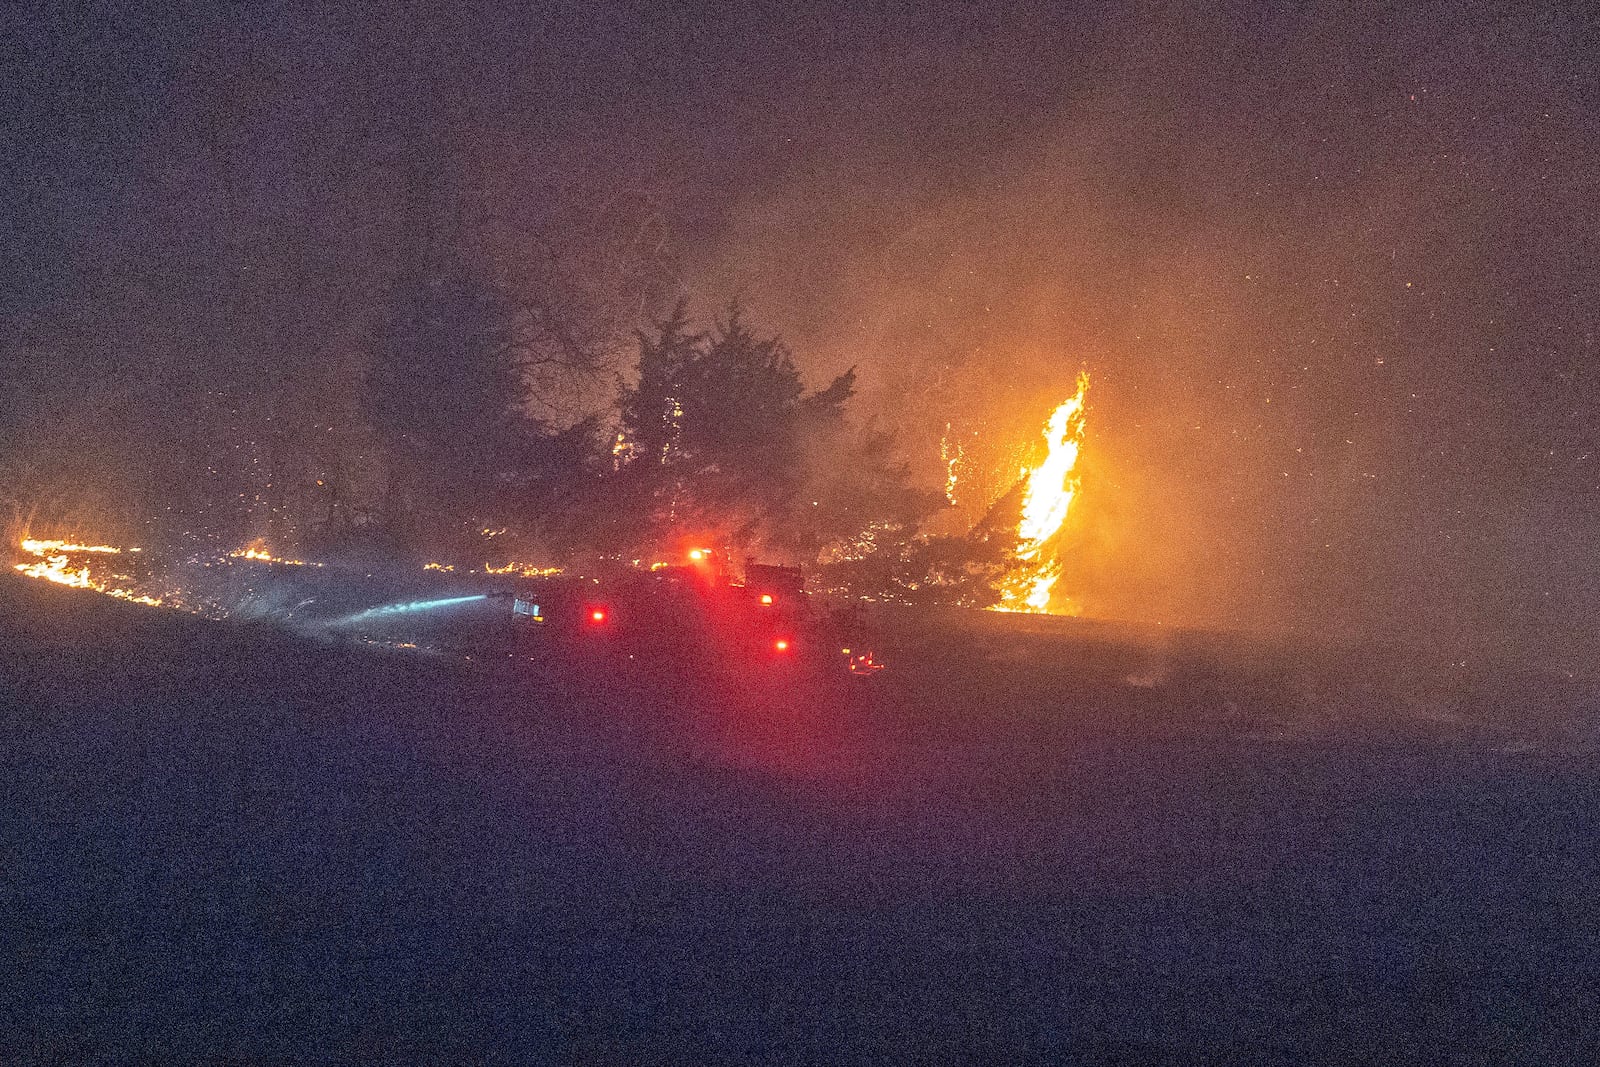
1332 272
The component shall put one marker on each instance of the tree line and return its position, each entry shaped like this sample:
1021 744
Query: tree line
471 421
712 436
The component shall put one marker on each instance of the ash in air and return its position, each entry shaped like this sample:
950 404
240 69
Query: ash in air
505 293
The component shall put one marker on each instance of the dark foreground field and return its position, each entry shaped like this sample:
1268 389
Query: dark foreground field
222 845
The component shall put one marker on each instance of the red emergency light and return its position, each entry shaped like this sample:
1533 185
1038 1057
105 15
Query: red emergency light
766 598
781 645
597 615
697 554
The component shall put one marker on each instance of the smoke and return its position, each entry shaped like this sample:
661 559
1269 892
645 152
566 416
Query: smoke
1332 273
1339 359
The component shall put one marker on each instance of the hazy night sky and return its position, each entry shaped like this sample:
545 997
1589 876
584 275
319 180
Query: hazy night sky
1334 274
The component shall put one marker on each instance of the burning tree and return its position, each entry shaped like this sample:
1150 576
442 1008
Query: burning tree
1008 560
1047 493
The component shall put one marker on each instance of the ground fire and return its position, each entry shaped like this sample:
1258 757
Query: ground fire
735 610
701 605
257 550
54 563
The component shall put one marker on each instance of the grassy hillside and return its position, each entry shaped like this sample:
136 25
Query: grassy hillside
225 844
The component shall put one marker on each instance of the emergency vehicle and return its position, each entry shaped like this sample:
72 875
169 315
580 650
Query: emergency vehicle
695 607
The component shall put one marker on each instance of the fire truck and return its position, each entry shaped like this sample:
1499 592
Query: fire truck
698 607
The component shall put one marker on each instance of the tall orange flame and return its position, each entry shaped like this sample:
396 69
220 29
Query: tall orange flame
1046 500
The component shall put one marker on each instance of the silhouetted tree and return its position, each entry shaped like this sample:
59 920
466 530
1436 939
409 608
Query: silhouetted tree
446 396
719 439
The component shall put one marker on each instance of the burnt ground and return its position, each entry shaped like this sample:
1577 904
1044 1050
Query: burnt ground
219 843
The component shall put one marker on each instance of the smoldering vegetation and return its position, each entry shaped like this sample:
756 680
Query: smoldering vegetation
1336 296
366 291
1027 840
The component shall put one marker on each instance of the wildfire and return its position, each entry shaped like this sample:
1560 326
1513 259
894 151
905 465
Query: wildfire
522 570
1046 499
257 550
46 548
54 564
951 455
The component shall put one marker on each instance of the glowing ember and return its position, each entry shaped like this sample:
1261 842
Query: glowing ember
522 570
951 455
257 550
1045 502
